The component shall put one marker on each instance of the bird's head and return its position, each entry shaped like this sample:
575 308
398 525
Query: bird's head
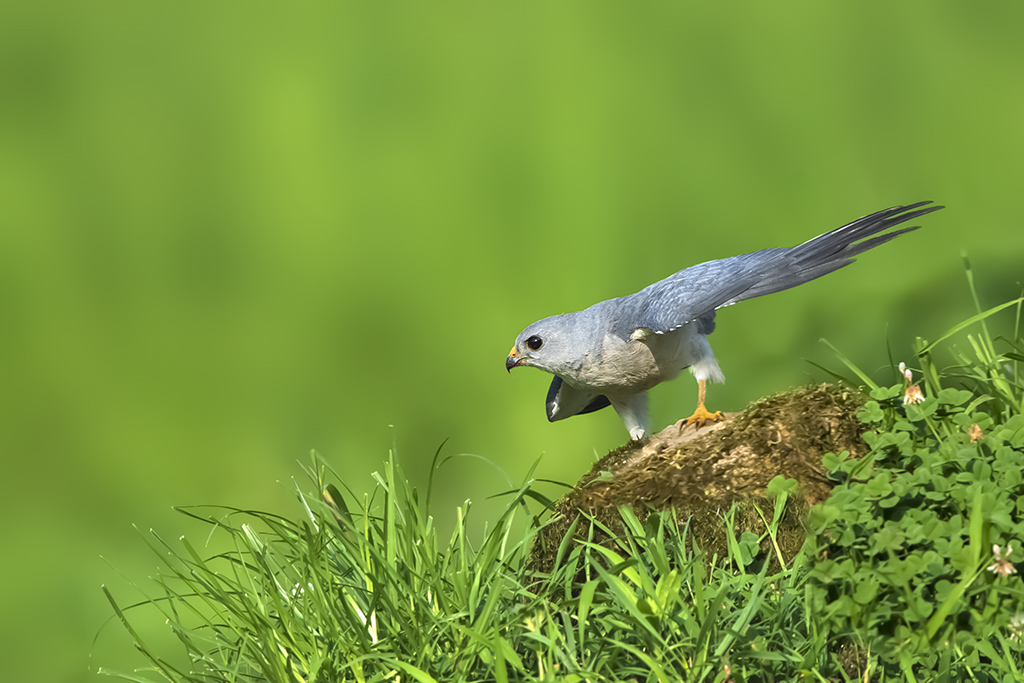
546 345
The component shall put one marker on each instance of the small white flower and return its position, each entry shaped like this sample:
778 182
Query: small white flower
1016 626
1002 565
905 371
974 433
912 394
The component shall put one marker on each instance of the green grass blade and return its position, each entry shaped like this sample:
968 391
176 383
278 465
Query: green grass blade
930 346
848 363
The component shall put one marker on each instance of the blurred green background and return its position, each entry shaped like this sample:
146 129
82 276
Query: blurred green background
229 235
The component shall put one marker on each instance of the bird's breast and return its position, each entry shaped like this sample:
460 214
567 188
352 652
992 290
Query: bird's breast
637 364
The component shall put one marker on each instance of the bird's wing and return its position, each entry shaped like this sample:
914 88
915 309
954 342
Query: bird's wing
565 401
695 293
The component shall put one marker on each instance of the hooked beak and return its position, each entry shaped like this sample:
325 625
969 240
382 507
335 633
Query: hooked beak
513 359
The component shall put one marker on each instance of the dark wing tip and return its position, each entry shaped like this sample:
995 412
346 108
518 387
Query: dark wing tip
551 401
598 403
551 404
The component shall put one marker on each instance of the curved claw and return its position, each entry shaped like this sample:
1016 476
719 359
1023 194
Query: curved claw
701 417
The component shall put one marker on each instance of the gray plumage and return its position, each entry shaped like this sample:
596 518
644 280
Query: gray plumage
613 352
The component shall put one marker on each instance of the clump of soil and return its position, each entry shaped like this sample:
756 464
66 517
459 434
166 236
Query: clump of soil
701 473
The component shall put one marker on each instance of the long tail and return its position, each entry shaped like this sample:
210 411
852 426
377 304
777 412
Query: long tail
832 250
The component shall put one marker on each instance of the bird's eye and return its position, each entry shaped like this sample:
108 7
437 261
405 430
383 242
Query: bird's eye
534 342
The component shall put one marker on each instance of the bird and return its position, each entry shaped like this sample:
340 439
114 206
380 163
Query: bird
614 352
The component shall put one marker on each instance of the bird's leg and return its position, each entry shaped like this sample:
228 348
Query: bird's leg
701 416
633 412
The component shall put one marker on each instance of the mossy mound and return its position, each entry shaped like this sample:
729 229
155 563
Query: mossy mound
702 473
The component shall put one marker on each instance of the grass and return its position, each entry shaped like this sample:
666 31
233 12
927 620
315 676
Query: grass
893 582
374 594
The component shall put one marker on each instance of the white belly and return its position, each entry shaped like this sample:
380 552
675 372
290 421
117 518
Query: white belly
647 359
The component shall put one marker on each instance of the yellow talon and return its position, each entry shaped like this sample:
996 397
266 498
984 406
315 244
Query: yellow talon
701 416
